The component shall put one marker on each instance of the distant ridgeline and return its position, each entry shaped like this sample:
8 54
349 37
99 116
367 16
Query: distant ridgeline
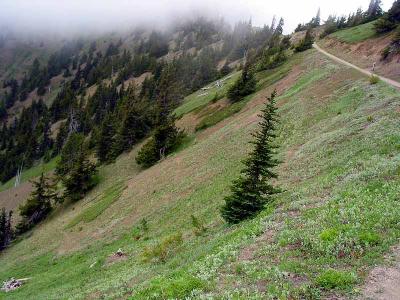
96 94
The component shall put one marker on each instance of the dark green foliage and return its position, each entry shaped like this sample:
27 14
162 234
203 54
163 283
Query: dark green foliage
389 20
275 54
80 177
70 154
225 70
25 141
3 110
39 204
105 140
315 22
245 85
253 190
156 45
334 23
305 43
394 47
165 140
132 116
134 127
6 232
374 11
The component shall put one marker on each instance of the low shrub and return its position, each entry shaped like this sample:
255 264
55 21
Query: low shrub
161 251
177 286
333 279
373 79
198 226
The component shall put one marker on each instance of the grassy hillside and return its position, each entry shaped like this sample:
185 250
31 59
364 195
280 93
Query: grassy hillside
361 46
31 173
355 34
339 145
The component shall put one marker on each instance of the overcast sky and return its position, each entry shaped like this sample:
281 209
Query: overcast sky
88 15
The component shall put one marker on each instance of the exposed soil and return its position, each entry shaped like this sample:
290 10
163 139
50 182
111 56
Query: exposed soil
383 282
10 199
114 258
365 54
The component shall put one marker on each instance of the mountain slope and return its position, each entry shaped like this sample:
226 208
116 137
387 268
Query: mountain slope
361 46
339 146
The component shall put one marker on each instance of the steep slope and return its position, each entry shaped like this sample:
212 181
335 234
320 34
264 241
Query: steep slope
339 144
361 46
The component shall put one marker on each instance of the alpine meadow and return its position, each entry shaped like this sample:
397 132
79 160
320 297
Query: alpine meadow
188 150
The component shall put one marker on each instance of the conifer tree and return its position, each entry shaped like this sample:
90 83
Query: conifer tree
305 43
39 204
245 85
80 179
317 20
253 190
6 232
374 10
389 20
105 140
165 139
166 135
133 128
70 153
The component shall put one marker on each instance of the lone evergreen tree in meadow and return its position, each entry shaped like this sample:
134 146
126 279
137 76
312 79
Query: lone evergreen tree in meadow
253 190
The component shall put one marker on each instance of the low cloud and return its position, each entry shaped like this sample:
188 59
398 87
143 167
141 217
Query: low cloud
87 16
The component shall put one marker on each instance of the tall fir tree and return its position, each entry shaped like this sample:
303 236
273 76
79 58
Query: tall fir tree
317 20
253 190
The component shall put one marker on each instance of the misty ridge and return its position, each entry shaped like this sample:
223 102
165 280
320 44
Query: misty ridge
55 19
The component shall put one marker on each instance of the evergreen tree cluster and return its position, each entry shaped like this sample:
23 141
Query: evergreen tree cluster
39 74
274 54
25 140
334 23
244 85
6 231
116 117
390 20
315 22
254 190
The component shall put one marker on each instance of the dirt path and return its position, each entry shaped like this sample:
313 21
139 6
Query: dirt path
383 282
366 72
